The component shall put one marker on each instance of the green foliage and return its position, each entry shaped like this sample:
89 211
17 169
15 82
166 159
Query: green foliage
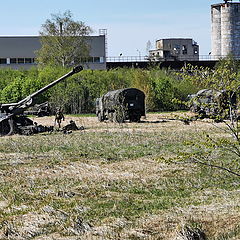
164 91
13 91
225 76
78 93
8 75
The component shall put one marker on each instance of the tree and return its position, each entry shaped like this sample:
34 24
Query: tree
64 41
148 47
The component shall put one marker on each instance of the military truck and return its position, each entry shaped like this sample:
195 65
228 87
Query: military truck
121 105
12 117
212 103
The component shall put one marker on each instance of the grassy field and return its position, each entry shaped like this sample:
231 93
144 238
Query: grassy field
114 181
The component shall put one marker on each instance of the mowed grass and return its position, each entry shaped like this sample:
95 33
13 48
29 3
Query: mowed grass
114 181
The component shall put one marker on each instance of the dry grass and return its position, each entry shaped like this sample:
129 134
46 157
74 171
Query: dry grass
113 181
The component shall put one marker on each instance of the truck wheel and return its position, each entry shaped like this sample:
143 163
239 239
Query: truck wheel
135 118
6 127
100 118
110 116
118 117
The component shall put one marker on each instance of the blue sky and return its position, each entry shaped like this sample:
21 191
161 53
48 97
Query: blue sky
130 23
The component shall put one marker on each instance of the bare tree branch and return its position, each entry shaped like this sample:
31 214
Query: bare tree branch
195 160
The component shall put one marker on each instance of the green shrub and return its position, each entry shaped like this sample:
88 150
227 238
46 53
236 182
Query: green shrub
78 93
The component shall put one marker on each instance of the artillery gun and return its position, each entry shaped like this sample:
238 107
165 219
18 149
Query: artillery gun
12 118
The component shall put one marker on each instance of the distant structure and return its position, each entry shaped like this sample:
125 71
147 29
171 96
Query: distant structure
175 49
225 29
19 51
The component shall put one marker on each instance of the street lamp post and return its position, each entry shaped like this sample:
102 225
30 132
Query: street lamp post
139 54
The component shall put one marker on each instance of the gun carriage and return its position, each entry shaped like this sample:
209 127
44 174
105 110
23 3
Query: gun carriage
12 117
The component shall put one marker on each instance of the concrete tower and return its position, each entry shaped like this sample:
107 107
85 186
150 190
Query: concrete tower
225 29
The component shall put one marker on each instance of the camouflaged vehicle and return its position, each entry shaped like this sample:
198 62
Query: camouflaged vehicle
212 103
121 105
14 120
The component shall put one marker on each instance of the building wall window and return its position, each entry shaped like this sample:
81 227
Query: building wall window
28 60
3 61
195 50
22 60
92 60
13 60
176 48
184 49
96 59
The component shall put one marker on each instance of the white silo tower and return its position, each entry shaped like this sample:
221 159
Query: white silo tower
225 29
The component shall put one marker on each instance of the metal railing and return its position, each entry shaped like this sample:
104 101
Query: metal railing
128 59
172 58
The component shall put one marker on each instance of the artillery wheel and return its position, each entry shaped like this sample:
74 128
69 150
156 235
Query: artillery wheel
6 127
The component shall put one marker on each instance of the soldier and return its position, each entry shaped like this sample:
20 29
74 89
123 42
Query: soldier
71 126
59 117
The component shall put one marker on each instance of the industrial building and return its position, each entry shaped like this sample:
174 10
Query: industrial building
175 49
19 52
225 29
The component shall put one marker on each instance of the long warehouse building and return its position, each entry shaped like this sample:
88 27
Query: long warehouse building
20 52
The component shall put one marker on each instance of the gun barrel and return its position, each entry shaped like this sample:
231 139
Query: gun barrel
75 70
8 104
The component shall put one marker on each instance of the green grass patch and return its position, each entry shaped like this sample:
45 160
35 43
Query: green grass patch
121 171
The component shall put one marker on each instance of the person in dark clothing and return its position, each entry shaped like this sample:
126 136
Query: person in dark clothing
59 117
